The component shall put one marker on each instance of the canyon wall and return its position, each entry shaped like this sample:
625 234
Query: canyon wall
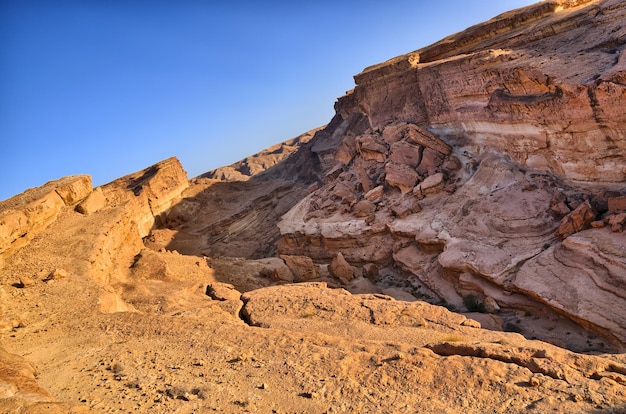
485 164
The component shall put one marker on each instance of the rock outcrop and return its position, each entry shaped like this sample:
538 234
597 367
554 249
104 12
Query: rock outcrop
153 192
22 217
459 224
486 149
543 86
258 163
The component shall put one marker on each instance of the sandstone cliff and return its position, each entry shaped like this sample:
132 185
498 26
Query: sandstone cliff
452 241
467 162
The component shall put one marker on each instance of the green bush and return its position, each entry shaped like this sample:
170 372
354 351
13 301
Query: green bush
473 303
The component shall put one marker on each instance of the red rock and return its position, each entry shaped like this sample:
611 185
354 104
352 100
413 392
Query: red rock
433 184
342 270
302 267
427 139
617 204
364 208
430 163
577 220
370 271
370 149
404 153
598 224
400 176
617 222
375 194
404 207
558 205
282 274
344 190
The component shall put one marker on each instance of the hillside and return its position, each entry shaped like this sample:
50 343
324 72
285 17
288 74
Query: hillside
452 241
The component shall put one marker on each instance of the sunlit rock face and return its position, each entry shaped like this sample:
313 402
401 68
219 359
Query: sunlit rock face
475 163
545 86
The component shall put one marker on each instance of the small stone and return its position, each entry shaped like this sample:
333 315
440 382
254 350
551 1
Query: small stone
370 271
222 291
577 220
617 204
558 205
433 184
400 176
534 381
375 194
57 274
364 208
342 270
471 323
577 397
282 273
617 222
302 267
491 306
264 386
26 281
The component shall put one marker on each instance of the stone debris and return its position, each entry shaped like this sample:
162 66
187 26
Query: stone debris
578 220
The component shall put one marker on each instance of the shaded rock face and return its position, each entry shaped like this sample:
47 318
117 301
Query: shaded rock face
258 163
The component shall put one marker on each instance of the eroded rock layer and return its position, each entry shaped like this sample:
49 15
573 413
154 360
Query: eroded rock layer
475 163
483 174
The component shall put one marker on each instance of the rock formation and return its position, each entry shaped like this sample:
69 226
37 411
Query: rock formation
452 241
469 142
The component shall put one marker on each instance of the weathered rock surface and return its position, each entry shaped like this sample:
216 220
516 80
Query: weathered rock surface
25 215
258 163
542 85
583 277
342 270
17 379
483 173
153 192
511 135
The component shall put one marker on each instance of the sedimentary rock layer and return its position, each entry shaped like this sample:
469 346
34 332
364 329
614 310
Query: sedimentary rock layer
475 162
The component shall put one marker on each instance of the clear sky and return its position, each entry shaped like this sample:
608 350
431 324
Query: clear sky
109 87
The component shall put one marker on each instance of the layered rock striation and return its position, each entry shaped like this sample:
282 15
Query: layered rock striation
542 85
484 173
485 164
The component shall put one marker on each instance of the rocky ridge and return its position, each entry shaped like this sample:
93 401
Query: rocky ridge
457 225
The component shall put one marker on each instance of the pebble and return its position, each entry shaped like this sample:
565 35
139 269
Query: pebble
534 381
26 281
57 274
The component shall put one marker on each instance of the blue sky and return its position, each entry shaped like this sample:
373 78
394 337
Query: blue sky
110 87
